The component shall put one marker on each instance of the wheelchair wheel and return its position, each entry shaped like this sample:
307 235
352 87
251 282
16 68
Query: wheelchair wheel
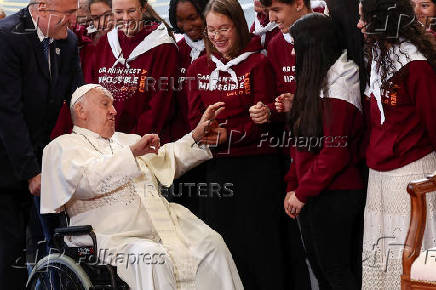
57 272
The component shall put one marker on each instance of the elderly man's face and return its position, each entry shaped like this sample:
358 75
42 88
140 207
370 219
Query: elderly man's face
99 113
55 16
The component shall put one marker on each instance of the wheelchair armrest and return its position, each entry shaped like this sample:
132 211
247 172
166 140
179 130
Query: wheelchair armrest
60 233
74 231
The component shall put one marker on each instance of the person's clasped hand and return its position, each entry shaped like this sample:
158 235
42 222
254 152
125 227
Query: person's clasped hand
292 205
283 103
260 113
149 143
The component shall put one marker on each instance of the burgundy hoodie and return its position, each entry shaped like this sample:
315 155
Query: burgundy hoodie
409 130
335 166
143 93
256 83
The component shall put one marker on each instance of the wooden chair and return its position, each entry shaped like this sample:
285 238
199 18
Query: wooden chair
412 248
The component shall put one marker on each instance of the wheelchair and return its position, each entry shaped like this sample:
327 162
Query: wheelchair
73 268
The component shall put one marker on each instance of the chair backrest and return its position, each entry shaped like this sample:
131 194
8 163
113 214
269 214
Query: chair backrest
418 216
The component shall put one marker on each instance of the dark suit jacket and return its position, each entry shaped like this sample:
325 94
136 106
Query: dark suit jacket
30 99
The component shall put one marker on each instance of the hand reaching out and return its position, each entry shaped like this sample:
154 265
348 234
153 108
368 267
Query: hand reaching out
208 131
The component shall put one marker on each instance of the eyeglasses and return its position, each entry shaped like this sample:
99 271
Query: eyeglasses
214 32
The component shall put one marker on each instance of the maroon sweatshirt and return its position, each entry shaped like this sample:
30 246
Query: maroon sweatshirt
319 6
256 83
263 19
409 130
283 61
335 166
143 93
180 124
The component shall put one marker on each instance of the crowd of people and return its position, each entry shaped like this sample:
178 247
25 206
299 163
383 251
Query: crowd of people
310 96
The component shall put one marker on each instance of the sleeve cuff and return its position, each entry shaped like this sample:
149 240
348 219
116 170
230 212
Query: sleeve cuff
300 197
291 186
30 170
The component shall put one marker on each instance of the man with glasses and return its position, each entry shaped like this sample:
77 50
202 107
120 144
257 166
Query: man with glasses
39 69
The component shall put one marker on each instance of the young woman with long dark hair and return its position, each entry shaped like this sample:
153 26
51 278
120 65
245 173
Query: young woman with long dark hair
402 133
324 186
241 197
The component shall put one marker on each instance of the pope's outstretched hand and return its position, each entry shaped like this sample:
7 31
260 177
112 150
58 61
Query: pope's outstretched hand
208 131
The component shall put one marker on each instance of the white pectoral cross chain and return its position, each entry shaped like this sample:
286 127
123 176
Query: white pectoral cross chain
93 146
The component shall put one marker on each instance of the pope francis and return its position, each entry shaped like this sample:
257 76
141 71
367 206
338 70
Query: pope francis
111 181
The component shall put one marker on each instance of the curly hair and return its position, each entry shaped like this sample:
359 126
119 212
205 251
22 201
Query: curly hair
199 5
391 22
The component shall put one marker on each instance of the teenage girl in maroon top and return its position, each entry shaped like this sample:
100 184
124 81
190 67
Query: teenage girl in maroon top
400 107
242 196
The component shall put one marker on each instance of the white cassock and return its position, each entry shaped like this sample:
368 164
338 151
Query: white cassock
154 244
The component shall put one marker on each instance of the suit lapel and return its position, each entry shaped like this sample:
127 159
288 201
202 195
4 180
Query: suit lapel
36 44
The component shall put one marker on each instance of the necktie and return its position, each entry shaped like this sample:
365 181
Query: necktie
45 46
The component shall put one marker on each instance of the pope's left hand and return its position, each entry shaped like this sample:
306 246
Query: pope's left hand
292 205
208 127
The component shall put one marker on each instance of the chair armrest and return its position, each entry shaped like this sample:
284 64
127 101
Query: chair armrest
60 233
74 230
418 216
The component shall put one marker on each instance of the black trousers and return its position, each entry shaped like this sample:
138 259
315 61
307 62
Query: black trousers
15 207
296 273
246 212
332 234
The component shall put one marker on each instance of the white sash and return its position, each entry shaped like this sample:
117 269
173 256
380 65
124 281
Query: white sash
288 38
320 4
196 47
403 54
213 78
155 38
262 30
